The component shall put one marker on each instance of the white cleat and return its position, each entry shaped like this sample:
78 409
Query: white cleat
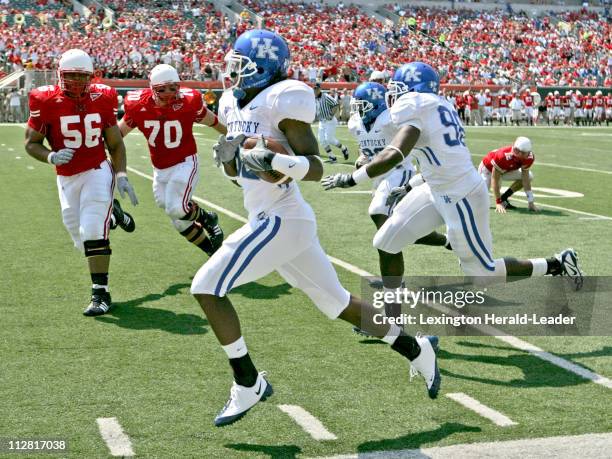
242 399
570 267
426 364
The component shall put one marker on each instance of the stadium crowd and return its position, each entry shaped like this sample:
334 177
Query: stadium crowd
333 43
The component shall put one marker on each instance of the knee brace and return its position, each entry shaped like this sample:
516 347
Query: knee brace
97 247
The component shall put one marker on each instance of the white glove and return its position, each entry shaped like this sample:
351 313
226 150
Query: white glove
397 194
124 186
58 158
225 150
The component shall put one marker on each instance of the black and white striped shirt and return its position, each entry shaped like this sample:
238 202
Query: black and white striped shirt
325 107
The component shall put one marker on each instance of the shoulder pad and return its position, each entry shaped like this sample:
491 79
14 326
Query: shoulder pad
294 100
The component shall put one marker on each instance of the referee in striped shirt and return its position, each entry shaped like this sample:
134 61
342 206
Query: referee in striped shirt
327 109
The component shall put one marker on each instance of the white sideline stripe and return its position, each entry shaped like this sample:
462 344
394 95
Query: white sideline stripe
564 447
562 166
117 441
574 211
498 334
471 403
311 425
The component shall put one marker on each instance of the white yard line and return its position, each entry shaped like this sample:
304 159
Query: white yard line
117 441
498 334
311 425
574 211
492 415
564 447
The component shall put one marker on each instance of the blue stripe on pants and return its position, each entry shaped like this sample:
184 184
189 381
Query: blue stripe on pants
237 254
433 156
475 229
469 240
256 250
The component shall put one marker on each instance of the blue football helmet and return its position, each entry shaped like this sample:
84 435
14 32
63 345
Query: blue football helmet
415 76
257 57
369 101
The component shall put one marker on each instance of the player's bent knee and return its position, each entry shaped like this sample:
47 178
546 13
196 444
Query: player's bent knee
385 240
175 212
97 247
481 275
330 303
181 225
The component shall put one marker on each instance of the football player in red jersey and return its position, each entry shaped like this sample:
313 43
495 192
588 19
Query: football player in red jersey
599 111
511 162
529 109
504 104
77 118
608 101
165 114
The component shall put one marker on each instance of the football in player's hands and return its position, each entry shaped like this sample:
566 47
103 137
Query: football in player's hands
274 146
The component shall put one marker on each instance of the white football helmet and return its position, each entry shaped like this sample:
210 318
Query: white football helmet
74 73
164 82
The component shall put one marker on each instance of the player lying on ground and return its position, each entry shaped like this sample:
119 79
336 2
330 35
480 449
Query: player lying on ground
77 118
511 162
370 123
281 232
165 113
453 193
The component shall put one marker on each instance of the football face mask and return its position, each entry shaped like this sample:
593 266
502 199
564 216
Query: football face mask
237 68
395 89
165 93
75 84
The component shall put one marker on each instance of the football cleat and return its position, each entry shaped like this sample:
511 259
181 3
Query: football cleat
568 259
426 364
345 152
362 332
508 206
100 303
331 159
210 223
122 219
242 399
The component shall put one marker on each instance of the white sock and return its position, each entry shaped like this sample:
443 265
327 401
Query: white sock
540 266
392 334
98 286
236 349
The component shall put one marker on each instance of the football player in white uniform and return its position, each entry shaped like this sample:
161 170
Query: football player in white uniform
454 194
371 125
281 232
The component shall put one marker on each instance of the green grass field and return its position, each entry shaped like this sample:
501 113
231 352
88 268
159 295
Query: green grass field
155 365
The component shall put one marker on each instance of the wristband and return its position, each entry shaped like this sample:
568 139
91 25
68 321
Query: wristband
120 174
529 195
295 167
498 201
49 156
361 175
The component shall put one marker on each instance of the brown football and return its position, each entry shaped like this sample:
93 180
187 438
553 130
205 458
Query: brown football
269 176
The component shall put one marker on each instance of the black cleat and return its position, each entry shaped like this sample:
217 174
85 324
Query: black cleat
210 223
122 218
345 153
100 303
508 206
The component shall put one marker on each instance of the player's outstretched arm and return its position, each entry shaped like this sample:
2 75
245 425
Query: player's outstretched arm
212 121
303 143
393 154
496 179
35 148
